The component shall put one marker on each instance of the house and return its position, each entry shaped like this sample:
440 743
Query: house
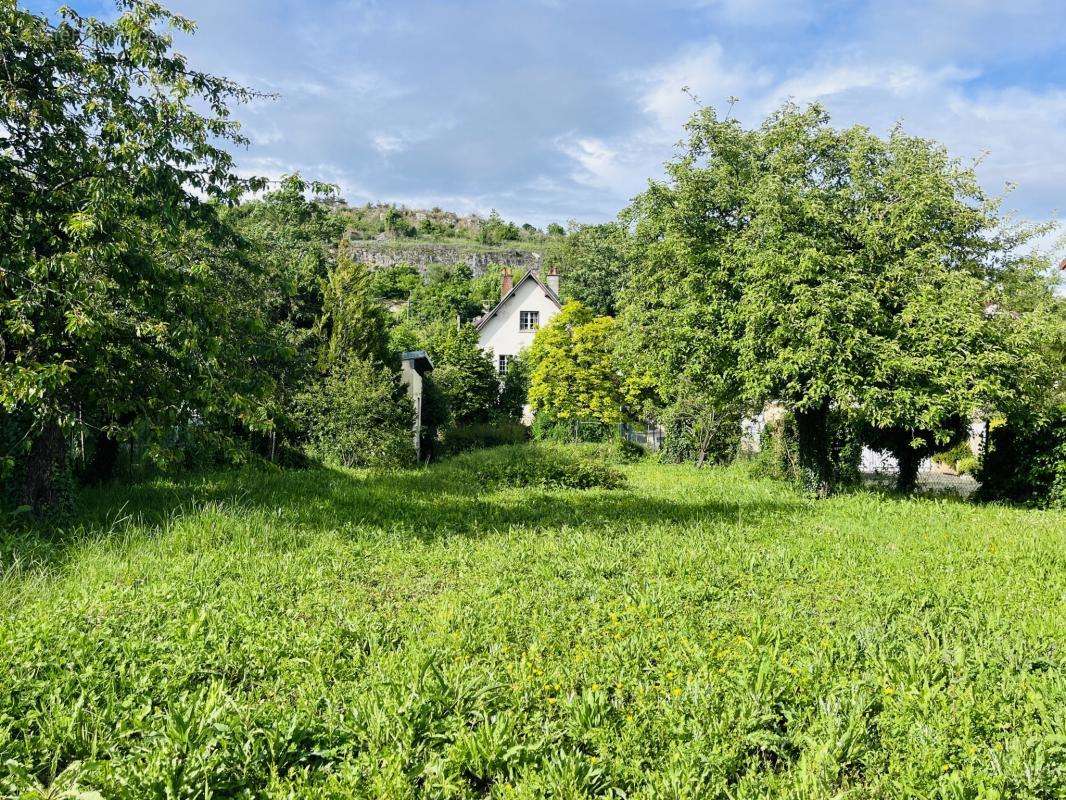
509 327
413 366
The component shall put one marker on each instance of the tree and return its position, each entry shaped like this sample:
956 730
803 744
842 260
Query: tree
291 239
354 323
357 415
495 230
594 266
841 274
465 376
573 374
112 166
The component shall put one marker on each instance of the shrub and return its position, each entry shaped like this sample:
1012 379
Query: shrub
958 458
621 451
549 429
543 467
778 455
472 437
1025 461
358 415
698 429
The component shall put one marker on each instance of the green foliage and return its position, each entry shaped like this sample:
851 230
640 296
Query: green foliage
466 376
572 368
444 296
473 437
1025 460
291 238
121 299
540 466
354 323
556 230
699 428
594 259
357 415
697 633
780 455
959 458
830 271
496 231
514 389
396 282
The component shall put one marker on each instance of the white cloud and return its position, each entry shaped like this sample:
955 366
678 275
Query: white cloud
387 144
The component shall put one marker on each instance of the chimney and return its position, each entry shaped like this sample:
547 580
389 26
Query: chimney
506 282
553 280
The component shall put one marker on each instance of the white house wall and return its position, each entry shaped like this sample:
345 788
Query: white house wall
501 334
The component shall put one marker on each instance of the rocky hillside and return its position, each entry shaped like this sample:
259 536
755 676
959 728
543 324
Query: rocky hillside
385 235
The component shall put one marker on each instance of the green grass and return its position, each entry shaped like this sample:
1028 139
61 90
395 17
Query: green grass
694 634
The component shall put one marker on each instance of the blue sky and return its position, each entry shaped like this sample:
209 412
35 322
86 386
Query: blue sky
555 110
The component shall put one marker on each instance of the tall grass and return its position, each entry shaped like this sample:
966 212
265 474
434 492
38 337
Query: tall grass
691 634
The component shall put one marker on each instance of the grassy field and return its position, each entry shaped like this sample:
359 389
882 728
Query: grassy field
694 634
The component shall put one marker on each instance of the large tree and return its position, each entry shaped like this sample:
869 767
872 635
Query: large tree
594 259
113 161
842 274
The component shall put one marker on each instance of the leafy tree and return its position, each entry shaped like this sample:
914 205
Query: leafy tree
514 389
572 368
444 296
395 282
357 415
495 230
112 162
594 266
292 240
485 288
556 230
832 271
355 325
465 376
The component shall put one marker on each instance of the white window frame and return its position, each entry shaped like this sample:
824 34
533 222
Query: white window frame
503 361
528 320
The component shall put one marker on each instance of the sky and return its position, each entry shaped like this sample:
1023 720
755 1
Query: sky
552 110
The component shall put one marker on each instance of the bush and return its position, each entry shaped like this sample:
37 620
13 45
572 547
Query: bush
1025 461
621 451
539 466
358 415
549 429
778 455
700 430
958 458
472 437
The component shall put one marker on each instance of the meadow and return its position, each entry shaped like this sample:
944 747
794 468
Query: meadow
434 633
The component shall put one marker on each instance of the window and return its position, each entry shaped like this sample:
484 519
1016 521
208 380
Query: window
528 320
504 363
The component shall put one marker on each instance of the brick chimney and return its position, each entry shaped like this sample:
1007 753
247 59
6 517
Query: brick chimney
553 280
506 282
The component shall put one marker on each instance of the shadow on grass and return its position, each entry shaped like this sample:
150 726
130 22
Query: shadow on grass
442 500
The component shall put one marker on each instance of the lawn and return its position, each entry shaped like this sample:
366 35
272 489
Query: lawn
697 633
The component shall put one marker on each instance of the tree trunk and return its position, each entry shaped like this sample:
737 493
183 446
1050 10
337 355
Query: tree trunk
909 461
44 485
813 445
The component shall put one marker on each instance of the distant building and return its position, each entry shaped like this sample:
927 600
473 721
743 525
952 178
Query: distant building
509 327
413 366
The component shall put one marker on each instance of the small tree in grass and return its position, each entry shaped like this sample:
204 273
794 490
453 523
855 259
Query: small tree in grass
573 374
